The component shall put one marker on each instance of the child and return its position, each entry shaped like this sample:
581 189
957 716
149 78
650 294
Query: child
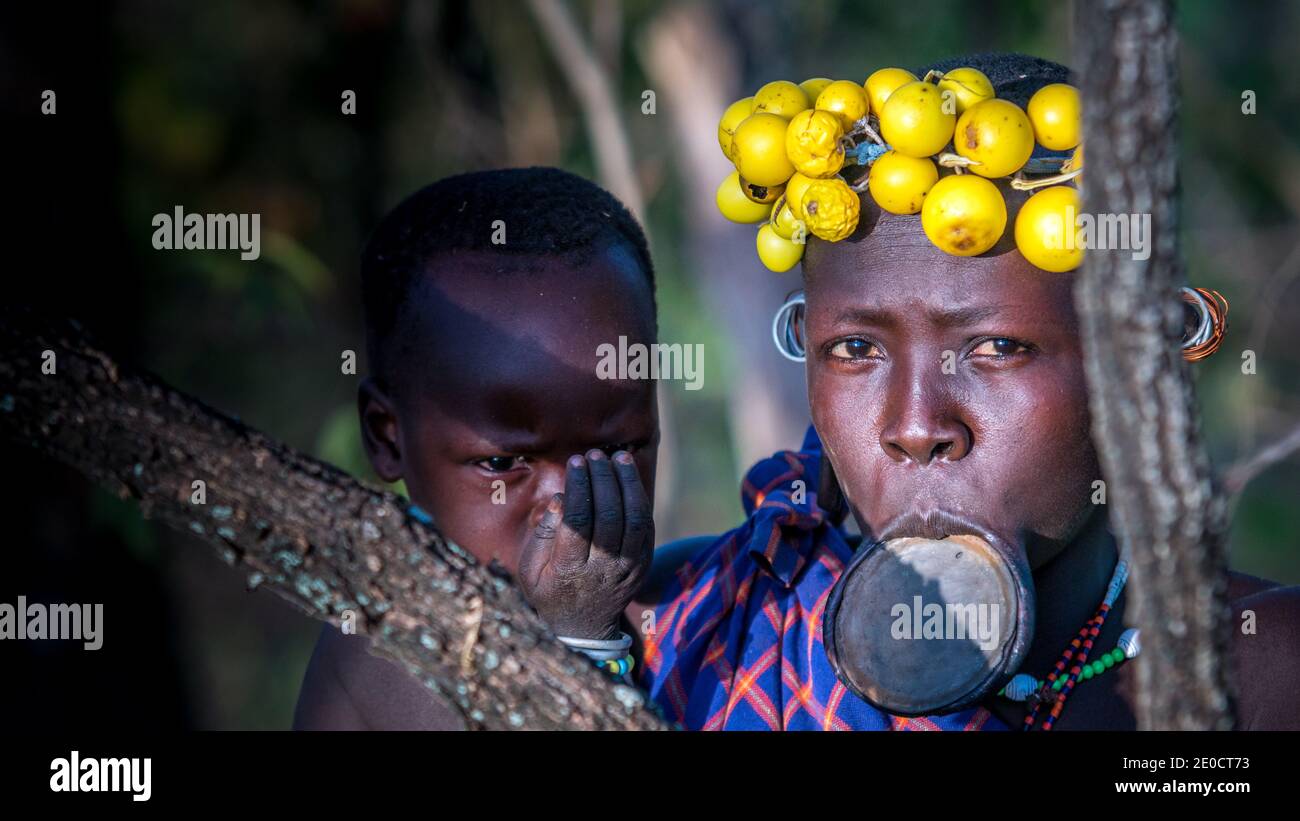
486 298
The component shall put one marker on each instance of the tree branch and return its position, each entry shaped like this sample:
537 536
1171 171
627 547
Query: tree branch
1169 520
691 61
1268 297
307 531
1239 475
590 83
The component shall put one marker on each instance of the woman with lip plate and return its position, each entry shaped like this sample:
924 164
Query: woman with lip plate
979 477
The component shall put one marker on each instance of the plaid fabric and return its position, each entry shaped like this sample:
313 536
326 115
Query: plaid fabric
737 643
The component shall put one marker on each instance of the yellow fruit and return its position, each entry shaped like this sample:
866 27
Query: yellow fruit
968 86
794 193
898 183
732 117
1046 229
785 223
884 82
996 134
846 100
1055 112
914 122
812 142
735 206
964 215
758 149
761 194
814 86
830 209
776 252
782 98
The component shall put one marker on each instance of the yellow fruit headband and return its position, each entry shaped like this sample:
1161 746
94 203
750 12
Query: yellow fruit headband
791 142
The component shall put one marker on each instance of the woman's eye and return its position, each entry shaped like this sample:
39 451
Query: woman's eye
999 347
855 349
500 464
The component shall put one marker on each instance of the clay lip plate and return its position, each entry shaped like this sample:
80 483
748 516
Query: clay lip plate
927 677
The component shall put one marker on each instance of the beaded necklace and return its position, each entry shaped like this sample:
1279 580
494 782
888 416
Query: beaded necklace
1074 662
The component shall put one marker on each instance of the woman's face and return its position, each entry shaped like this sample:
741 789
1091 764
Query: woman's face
948 387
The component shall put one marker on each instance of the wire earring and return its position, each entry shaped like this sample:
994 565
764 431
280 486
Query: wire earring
787 328
1211 310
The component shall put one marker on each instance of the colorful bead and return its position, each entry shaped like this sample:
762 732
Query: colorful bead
617 667
1019 688
1075 657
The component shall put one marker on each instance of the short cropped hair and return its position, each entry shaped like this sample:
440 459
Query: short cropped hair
544 211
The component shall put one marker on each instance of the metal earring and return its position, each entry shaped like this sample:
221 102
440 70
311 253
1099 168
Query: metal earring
787 328
1212 322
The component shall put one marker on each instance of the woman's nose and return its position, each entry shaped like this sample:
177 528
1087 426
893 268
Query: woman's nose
924 420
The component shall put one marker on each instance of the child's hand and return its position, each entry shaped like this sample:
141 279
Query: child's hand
592 549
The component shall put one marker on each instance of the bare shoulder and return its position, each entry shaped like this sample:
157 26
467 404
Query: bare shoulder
1266 653
347 688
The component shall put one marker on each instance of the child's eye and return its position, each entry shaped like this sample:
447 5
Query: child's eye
855 348
630 447
999 347
500 464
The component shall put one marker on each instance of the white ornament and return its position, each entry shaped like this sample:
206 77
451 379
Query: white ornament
1128 642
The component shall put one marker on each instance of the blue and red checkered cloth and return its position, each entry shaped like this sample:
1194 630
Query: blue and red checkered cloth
737 643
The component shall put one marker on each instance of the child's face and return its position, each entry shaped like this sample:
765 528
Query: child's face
496 387
1000 437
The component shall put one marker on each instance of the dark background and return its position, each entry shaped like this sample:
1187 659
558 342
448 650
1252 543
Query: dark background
235 107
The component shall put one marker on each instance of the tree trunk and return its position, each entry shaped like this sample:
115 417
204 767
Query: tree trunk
1168 517
320 539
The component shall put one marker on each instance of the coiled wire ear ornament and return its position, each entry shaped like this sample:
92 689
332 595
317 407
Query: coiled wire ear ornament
1211 310
787 328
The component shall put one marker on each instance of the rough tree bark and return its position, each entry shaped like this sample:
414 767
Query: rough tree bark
305 530
1164 506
